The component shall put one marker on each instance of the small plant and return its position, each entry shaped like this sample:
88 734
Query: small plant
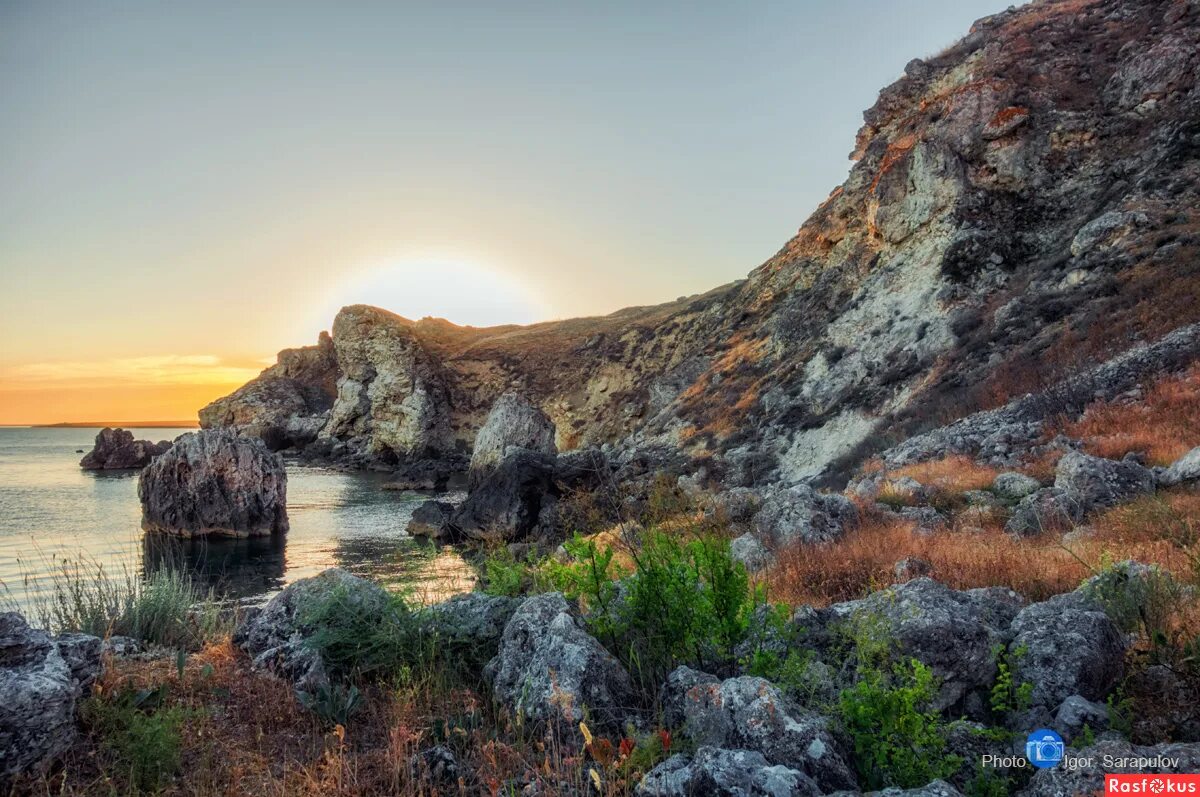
1008 696
143 738
334 703
504 574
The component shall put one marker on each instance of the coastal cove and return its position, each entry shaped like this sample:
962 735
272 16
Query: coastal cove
51 511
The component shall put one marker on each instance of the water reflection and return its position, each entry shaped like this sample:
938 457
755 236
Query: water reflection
235 568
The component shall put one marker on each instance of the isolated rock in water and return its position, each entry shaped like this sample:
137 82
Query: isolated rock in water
41 680
505 505
749 713
750 551
1123 757
954 633
432 519
549 669
1066 646
116 449
276 637
1015 486
215 482
724 773
801 514
512 423
1095 482
1184 470
1048 509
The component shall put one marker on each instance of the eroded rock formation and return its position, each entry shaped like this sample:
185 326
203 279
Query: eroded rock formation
115 449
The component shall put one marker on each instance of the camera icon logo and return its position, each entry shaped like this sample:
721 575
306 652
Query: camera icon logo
1044 748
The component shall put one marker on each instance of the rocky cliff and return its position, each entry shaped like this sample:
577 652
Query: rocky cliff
1021 205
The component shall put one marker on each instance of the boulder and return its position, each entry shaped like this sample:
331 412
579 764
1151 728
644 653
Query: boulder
582 469
801 514
1091 764
1014 486
954 633
432 519
750 551
938 788
513 423
437 765
724 773
215 482
549 670
276 638
505 505
475 619
115 449
41 681
738 505
749 713
1065 646
1184 470
1076 713
1048 509
1096 483
925 519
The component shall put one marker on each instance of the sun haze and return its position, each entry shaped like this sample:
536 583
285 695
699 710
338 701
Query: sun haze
189 189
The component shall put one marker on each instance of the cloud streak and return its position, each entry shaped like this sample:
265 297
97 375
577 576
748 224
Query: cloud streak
170 369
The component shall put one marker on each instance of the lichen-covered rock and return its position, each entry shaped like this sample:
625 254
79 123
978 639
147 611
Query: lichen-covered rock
41 680
1015 486
1184 470
750 551
1048 509
801 514
474 618
432 519
115 449
506 504
749 713
215 482
513 423
276 637
548 669
1111 757
1066 646
738 504
1095 482
938 788
724 773
954 633
1076 713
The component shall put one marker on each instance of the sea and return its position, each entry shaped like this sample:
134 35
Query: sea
56 518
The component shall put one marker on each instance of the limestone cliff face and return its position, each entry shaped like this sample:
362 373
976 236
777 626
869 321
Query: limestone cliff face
1021 204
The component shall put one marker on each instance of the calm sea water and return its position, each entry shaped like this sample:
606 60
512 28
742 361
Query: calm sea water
51 511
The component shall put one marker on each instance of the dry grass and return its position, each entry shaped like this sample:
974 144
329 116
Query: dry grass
1164 425
955 474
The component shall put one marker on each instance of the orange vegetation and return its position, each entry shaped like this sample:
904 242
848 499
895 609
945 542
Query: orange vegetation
1165 424
955 473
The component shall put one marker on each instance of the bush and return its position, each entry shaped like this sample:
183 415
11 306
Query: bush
165 608
143 739
360 638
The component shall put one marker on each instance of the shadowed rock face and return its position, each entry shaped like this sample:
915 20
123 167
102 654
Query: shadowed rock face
215 482
1016 203
116 449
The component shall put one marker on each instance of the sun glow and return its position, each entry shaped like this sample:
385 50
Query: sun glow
457 290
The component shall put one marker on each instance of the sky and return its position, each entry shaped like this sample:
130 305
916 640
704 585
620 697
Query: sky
186 188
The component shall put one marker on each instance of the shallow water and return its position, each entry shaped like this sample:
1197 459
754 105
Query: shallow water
51 511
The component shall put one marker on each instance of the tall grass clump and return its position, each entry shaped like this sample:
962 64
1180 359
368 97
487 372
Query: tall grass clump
164 608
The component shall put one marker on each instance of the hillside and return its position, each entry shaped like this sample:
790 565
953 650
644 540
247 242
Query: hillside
1021 206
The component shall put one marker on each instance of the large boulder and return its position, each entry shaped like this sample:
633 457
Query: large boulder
1095 482
41 680
549 670
432 519
513 423
1091 764
725 773
277 637
1047 509
749 713
801 514
475 620
954 633
215 482
1184 470
1065 646
1014 486
115 449
505 505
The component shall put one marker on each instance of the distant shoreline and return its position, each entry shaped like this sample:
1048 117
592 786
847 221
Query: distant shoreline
117 424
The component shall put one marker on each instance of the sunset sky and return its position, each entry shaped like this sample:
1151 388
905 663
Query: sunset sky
186 189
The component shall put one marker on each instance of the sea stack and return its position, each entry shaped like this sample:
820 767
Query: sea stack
215 483
116 449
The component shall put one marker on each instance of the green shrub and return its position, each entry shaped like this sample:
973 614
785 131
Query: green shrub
898 740
143 738
1006 695
360 638
165 608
